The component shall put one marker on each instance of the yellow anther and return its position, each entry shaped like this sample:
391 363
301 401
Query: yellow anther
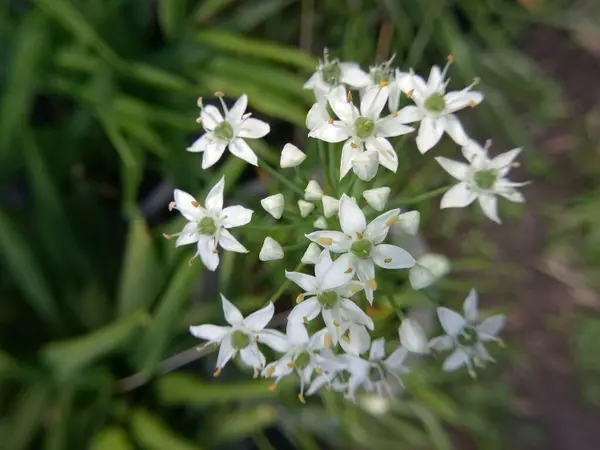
270 371
355 288
349 270
291 365
383 84
301 398
353 145
256 373
172 206
516 164
195 204
349 96
395 114
472 103
217 373
305 319
325 241
330 121
199 121
319 371
391 221
215 250
199 102
359 235
346 338
300 298
256 338
335 324
450 59
191 261
167 236
372 284
409 94
327 341
387 260
219 94
273 388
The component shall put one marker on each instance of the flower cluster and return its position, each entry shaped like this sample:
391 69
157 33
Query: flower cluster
328 334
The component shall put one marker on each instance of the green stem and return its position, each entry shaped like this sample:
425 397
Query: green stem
325 165
284 286
332 169
281 178
420 198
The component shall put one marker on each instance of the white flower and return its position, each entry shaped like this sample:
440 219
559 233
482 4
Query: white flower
305 207
482 179
361 128
311 255
399 82
377 198
330 74
291 156
320 223
409 222
228 132
209 225
241 336
428 269
355 338
331 206
434 107
365 165
412 336
328 293
361 244
466 335
313 191
271 250
301 354
382 73
274 205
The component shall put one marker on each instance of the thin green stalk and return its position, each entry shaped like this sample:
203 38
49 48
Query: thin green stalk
422 197
284 286
325 166
281 178
332 166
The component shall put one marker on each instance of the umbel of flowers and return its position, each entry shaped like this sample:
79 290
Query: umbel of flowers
360 112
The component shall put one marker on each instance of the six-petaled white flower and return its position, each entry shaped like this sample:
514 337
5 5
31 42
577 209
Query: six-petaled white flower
482 179
208 225
361 244
228 132
466 335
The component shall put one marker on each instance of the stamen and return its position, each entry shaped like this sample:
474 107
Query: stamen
256 338
516 164
325 241
291 365
359 235
387 260
346 338
217 344
472 103
395 114
383 84
327 340
172 206
409 94
372 284
214 251
255 373
199 103
167 236
450 59
355 288
353 145
192 260
195 204
349 96
219 94
330 121
270 371
305 319
318 371
300 298
335 324
349 270
301 398
273 388
199 121
391 221
217 373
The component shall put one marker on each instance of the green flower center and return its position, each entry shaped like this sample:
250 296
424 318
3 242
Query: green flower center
435 103
332 73
302 361
361 249
375 373
207 226
381 75
224 131
239 340
468 337
327 299
364 127
485 179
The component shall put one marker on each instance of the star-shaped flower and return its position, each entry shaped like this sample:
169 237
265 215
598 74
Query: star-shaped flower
208 225
362 245
241 335
483 179
228 132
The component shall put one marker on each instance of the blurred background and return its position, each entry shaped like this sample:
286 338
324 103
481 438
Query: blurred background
98 103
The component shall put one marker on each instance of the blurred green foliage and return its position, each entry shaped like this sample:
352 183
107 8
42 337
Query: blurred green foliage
98 105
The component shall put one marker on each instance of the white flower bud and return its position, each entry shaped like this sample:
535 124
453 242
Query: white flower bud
377 198
271 250
365 165
428 269
305 207
331 206
320 223
311 255
412 336
291 156
274 204
409 222
313 191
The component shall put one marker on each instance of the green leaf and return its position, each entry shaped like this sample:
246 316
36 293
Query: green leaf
7 363
19 428
141 273
69 356
111 438
21 263
256 48
181 389
238 424
436 431
171 16
153 434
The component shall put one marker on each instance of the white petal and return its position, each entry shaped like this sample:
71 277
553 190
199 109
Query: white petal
229 243
456 100
353 313
307 283
412 336
271 250
233 316
387 156
274 339
296 333
317 115
391 126
291 156
373 101
330 132
210 117
338 99
309 308
253 129
199 144
458 196
471 150
274 205
409 222
207 249
378 229
317 340
313 191
335 241
391 257
259 319
377 198
331 317
503 161
352 219
187 206
430 132
441 343
359 340
211 333
470 307
456 169
377 351
236 216
318 383
226 352
452 322
489 206
409 114
311 255
242 150
188 235
350 150
396 360
456 360
509 193
337 275
212 153
365 270
310 83
238 109
429 268
491 326
331 205
214 199
435 80
365 165
354 76
323 265
455 130
305 207
252 357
